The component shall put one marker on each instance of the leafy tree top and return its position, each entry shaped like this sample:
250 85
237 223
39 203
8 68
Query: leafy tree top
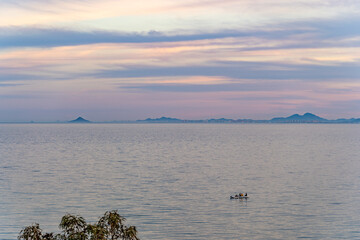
111 226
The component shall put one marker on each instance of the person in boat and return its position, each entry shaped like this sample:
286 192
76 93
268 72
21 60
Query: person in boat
241 195
236 196
245 194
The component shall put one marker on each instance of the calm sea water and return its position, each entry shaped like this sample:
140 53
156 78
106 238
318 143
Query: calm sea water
173 181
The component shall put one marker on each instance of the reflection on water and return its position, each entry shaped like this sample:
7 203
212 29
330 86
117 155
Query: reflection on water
173 181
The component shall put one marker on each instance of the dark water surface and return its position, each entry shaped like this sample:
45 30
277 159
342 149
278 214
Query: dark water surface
173 181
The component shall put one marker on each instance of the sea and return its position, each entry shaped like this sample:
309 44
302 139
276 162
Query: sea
174 181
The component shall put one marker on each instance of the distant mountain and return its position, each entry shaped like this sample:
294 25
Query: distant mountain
343 120
162 120
79 120
221 120
296 118
176 120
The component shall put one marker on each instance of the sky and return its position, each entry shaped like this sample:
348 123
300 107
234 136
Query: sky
127 60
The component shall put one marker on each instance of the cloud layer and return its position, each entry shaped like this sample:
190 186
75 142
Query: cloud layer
59 58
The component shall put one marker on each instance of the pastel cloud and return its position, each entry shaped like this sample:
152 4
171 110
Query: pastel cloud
167 15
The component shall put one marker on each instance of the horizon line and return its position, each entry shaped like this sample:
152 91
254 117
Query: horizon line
164 119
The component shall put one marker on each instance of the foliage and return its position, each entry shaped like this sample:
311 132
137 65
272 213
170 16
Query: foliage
31 233
73 227
111 226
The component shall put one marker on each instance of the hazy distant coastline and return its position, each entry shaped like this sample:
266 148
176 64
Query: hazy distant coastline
295 118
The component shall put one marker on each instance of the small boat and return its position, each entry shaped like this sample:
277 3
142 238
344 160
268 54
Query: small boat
240 196
237 197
